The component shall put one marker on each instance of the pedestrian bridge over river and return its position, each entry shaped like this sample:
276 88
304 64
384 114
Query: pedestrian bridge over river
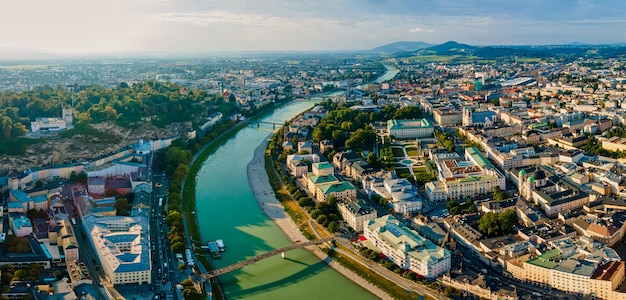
239 265
253 123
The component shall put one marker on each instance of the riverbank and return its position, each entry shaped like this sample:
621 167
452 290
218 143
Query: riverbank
260 186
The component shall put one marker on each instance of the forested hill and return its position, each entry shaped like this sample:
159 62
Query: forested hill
123 104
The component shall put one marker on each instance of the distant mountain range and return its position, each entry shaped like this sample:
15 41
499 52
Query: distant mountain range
452 48
7 53
401 47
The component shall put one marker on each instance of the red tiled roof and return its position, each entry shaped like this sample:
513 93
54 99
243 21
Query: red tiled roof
603 230
606 271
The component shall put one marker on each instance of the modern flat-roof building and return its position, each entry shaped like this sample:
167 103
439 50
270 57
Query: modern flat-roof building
125 165
410 129
407 248
122 244
21 202
37 255
48 124
400 193
20 224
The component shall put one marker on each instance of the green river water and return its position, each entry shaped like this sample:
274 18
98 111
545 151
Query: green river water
227 210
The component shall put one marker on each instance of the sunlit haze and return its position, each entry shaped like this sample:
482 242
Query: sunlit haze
190 26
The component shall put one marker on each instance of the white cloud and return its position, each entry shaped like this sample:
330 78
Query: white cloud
78 26
223 17
420 29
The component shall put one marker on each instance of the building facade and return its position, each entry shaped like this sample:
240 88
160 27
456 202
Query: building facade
407 248
410 129
340 190
122 246
356 213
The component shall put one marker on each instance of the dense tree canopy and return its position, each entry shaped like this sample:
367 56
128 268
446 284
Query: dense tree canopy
445 140
170 159
594 146
121 206
15 244
408 112
151 101
349 128
496 224
96 103
499 194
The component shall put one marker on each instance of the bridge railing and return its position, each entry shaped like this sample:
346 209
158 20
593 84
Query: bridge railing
262 256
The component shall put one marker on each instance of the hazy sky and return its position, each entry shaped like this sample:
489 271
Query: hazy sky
118 26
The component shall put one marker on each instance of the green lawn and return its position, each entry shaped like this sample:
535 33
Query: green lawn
420 170
397 152
528 59
474 59
374 278
412 151
437 58
402 171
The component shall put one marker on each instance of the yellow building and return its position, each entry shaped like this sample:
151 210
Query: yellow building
606 279
597 274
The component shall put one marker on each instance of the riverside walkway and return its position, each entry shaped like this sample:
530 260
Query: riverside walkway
239 265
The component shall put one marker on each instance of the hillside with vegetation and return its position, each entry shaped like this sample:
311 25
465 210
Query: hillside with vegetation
105 119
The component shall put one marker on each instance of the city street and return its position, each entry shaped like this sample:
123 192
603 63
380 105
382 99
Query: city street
164 263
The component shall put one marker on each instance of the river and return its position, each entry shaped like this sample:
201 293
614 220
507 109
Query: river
392 71
227 210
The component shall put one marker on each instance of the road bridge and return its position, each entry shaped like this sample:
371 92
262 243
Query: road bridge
239 265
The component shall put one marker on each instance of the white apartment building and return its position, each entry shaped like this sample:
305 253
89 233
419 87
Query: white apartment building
356 213
407 248
400 193
296 163
122 244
